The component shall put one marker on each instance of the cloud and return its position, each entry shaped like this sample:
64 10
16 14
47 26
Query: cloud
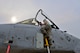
22 9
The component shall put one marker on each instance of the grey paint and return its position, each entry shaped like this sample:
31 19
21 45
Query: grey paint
24 36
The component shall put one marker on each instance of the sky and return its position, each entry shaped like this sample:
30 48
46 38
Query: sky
64 13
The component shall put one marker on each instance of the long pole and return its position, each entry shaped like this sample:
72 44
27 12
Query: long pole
8 49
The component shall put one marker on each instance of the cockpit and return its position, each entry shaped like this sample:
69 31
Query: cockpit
30 21
35 21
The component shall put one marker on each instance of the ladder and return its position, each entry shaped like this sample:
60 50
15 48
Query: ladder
47 45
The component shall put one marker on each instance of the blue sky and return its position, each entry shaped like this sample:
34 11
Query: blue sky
65 13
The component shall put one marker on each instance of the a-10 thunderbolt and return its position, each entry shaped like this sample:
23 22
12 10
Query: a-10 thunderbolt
26 37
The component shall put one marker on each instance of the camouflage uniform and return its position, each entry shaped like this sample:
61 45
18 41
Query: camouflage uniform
46 30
